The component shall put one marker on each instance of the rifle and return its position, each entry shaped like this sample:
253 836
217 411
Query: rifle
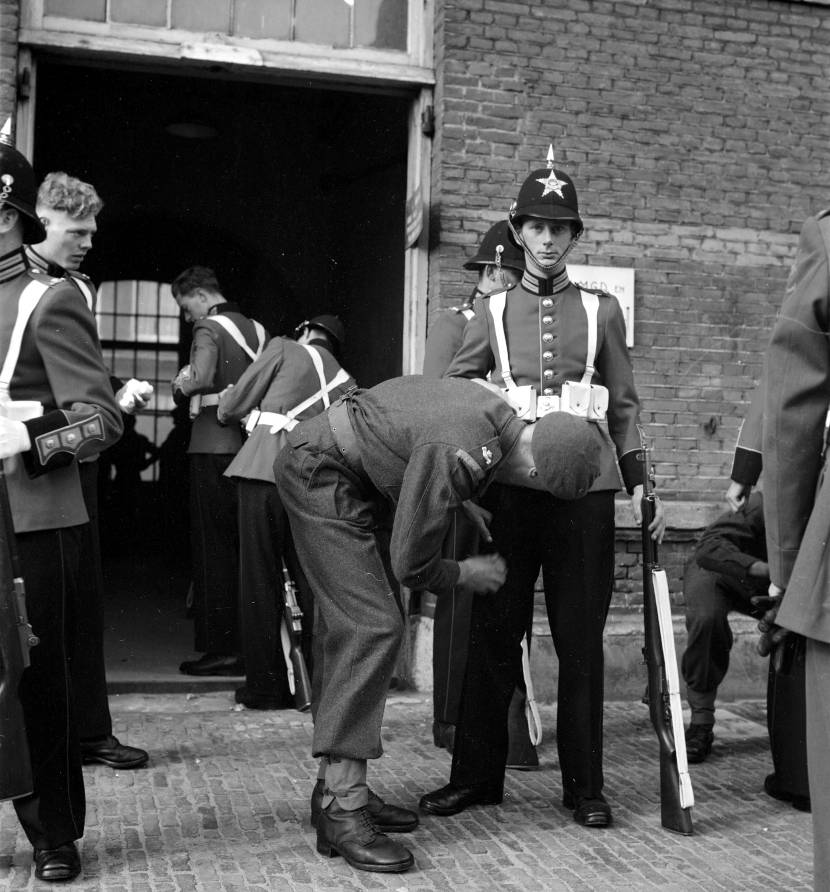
16 638
291 631
665 708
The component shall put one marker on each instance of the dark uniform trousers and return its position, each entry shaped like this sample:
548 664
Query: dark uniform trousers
87 664
54 814
214 540
361 621
709 599
573 543
264 540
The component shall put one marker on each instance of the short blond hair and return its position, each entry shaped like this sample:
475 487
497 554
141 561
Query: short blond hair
61 192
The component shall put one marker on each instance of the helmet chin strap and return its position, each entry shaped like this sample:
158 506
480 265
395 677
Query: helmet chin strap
549 269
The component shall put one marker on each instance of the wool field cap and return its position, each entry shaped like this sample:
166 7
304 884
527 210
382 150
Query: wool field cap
566 451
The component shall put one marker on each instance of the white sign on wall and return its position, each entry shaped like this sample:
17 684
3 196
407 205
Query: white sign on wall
616 280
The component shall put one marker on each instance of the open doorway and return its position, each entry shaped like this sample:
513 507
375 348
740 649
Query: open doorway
295 195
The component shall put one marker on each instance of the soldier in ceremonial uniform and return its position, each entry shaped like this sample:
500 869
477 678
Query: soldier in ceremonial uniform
224 344
58 407
499 264
797 500
289 382
67 207
556 349
425 447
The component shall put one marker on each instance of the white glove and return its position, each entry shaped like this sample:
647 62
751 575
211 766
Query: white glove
14 438
133 396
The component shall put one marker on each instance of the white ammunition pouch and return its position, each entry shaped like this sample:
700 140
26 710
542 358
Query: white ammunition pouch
580 398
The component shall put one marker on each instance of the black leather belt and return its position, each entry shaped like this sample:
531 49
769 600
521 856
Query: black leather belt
343 433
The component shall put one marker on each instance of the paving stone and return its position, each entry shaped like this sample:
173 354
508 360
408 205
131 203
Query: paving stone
223 806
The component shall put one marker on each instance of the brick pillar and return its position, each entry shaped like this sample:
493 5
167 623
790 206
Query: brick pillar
9 25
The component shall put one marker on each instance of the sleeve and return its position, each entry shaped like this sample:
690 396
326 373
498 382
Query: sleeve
443 341
797 375
617 374
747 463
731 544
86 418
204 358
253 384
474 358
435 483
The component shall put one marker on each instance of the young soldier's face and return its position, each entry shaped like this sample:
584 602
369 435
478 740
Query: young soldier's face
194 305
546 239
68 239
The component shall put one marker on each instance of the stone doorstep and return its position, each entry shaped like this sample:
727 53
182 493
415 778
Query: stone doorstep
625 671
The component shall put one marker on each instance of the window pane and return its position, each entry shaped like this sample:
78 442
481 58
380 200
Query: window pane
93 10
201 15
381 23
139 12
263 19
323 21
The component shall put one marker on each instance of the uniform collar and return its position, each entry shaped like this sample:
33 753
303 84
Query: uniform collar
39 262
13 265
545 286
227 307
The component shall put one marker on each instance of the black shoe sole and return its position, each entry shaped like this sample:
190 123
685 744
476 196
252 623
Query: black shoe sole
111 763
331 851
446 812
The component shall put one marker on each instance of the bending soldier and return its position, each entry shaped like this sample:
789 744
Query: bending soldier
425 447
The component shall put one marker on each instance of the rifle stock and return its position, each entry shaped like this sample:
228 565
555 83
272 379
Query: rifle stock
676 798
15 640
291 632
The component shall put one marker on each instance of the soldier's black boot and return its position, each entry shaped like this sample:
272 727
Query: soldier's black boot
354 835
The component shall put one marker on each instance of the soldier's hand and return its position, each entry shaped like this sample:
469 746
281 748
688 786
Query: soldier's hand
480 518
658 525
772 635
482 574
737 494
14 437
134 396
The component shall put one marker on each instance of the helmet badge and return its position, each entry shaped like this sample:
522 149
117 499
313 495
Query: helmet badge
551 183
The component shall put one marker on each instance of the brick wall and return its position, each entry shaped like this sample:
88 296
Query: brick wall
698 136
9 19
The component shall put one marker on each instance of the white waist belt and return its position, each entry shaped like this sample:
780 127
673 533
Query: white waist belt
276 421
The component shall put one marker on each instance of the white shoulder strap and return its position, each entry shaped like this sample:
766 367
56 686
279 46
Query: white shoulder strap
496 305
26 304
233 330
468 313
87 292
323 393
591 304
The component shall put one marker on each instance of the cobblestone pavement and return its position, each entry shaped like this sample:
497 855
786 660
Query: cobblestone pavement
223 806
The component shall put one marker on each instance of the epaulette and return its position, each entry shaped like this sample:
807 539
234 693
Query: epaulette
600 292
41 276
461 308
77 274
821 214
